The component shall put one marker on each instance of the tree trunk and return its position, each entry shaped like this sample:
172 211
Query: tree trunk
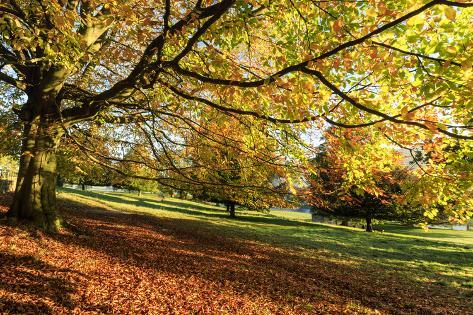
35 193
60 181
369 226
344 222
232 210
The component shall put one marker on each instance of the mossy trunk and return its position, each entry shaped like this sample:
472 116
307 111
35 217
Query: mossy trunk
35 193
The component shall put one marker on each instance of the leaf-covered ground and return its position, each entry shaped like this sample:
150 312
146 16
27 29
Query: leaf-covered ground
141 255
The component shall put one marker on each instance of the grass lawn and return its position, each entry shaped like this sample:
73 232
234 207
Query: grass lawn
459 237
141 254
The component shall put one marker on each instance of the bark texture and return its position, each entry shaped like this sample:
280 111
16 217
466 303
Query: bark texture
35 193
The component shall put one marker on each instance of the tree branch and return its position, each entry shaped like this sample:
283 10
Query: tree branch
440 60
16 83
364 108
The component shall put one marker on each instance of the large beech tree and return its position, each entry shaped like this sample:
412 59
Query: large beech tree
157 68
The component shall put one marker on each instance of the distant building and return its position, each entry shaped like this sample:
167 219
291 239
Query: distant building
460 227
457 227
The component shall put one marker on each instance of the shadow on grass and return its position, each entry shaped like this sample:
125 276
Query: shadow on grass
197 248
432 233
138 201
187 208
360 266
176 204
386 248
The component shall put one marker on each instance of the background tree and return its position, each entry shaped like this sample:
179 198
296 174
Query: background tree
10 127
443 184
79 171
73 165
127 166
8 168
243 170
371 191
158 65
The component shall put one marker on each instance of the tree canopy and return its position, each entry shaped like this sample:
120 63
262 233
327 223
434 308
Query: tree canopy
155 73
341 184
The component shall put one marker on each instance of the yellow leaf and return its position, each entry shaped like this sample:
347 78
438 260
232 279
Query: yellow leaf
415 20
404 112
450 13
371 12
451 49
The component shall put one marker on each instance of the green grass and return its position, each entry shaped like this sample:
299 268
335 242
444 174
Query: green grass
442 257
459 237
299 216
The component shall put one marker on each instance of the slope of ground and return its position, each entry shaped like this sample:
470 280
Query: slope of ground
124 253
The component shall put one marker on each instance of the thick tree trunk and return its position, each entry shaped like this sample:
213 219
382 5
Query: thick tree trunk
35 194
232 210
369 226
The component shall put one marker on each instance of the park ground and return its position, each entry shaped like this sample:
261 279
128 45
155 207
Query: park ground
124 253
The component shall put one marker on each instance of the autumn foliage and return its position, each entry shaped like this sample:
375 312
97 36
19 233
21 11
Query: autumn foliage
152 73
342 183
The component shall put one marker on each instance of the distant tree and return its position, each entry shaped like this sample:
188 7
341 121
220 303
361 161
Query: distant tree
383 205
233 176
74 167
10 126
127 165
74 171
375 192
443 180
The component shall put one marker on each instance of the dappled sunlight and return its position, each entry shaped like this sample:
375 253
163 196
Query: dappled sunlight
391 250
173 257
158 147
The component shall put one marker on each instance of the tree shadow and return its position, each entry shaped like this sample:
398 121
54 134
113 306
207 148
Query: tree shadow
239 258
362 245
270 219
106 197
192 209
153 204
28 276
182 205
280 275
431 233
